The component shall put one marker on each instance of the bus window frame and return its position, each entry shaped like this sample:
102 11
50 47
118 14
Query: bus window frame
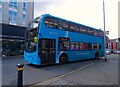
101 34
98 48
62 25
90 31
64 48
88 48
84 30
59 25
74 46
75 26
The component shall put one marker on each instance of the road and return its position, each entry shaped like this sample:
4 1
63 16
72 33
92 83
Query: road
92 72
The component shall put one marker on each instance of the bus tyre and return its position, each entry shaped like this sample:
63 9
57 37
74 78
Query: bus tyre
96 55
63 59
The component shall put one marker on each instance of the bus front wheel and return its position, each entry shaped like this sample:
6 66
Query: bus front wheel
96 55
63 59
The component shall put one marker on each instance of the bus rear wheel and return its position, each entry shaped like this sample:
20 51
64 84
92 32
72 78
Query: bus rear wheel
96 55
63 59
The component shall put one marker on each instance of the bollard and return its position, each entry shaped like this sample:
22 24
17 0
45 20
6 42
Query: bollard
105 59
20 75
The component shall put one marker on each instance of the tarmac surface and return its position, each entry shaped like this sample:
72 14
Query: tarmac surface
91 72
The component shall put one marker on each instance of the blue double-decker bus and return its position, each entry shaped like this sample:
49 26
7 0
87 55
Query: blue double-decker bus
51 40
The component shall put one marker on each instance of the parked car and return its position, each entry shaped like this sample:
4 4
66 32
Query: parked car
112 51
115 52
108 51
118 51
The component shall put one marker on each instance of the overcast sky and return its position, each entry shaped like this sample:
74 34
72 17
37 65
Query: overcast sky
87 12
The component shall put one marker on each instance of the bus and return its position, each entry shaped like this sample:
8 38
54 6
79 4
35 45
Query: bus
52 40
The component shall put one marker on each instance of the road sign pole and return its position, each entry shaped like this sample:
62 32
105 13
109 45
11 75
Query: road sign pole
104 31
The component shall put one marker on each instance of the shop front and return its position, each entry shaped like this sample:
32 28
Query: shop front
12 40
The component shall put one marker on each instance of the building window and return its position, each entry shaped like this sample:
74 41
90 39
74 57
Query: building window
12 17
0 11
0 6
13 4
0 15
24 19
0 2
24 5
15 17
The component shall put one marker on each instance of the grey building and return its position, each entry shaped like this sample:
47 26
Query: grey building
17 12
14 18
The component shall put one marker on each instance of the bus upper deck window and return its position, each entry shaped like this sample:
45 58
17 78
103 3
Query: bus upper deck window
90 31
74 27
96 32
83 30
63 25
49 22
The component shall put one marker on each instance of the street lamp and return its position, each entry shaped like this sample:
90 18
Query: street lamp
104 30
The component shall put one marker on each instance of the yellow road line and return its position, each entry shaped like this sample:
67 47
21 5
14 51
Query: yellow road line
63 75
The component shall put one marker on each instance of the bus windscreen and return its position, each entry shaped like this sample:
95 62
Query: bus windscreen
31 33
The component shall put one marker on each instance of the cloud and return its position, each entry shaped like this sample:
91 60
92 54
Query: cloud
87 12
44 7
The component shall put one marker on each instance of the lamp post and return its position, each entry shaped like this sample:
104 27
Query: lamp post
104 31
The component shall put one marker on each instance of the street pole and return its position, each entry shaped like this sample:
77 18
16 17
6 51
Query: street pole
104 31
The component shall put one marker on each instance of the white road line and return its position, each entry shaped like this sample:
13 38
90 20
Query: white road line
63 75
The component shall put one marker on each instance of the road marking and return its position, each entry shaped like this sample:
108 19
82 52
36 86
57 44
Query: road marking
63 75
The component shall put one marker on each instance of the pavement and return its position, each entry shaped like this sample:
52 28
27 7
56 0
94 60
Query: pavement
92 72
99 73
34 74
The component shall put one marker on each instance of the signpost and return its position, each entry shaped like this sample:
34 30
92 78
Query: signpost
104 31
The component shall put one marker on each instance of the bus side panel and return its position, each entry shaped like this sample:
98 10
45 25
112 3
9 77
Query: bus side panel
80 55
32 58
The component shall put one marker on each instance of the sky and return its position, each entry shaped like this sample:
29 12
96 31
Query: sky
87 12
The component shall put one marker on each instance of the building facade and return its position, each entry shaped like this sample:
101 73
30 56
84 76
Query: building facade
115 44
15 12
15 16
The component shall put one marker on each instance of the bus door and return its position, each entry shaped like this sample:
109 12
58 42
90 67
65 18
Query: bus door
47 51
